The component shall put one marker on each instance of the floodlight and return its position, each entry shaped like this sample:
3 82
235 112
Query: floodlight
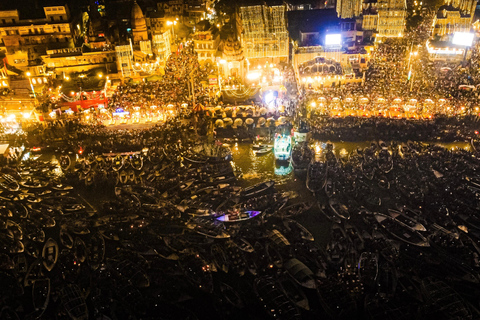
333 39
463 38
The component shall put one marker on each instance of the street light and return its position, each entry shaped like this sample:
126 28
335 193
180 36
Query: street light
31 85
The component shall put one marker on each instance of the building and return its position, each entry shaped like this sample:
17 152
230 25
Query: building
79 59
450 19
349 8
27 37
263 30
161 45
139 24
205 41
391 18
233 59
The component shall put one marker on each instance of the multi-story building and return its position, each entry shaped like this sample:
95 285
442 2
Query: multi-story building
206 40
27 38
391 18
263 30
79 59
349 8
450 19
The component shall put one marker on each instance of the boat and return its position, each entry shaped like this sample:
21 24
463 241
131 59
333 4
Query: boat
238 216
41 294
368 268
65 238
295 209
243 245
282 147
231 296
294 292
197 270
300 273
339 209
297 231
261 152
96 250
302 155
274 301
329 214
136 161
8 183
443 302
386 280
384 160
117 163
79 250
50 254
335 299
258 146
257 190
401 231
316 176
74 302
402 217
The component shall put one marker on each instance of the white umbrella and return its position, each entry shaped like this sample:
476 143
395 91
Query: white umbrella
261 121
263 111
282 120
218 108
249 121
228 121
238 122
219 123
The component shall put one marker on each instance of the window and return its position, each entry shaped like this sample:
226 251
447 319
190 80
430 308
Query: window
61 18
52 18
3 21
13 20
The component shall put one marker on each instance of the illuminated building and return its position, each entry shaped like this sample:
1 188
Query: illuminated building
349 8
450 19
391 18
139 24
28 37
264 31
233 58
205 41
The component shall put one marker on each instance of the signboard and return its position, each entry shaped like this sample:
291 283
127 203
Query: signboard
333 40
212 80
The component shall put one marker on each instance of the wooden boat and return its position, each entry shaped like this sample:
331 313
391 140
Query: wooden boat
258 189
282 148
401 231
316 176
262 146
294 293
262 152
386 280
79 250
368 268
243 245
96 250
136 162
197 271
402 217
118 163
231 296
238 216
295 209
300 273
339 209
41 294
65 238
329 214
32 232
219 257
298 231
50 254
74 302
274 300
8 183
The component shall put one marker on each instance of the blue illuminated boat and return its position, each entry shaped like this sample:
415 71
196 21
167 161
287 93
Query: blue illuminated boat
238 216
282 147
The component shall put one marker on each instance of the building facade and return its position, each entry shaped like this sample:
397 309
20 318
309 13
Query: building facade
391 18
206 40
263 31
450 19
349 8
27 39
